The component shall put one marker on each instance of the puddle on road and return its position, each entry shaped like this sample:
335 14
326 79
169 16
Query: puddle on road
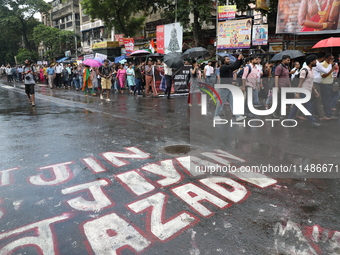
180 149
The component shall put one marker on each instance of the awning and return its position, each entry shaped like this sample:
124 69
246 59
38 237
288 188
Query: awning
62 59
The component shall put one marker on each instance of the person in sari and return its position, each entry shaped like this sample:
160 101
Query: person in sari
87 82
121 76
318 15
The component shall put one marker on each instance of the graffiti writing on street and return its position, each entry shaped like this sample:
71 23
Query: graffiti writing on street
149 189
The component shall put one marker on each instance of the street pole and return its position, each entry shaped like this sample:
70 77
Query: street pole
216 29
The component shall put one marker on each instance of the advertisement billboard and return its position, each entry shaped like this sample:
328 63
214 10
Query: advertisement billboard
169 38
234 34
260 35
308 16
226 12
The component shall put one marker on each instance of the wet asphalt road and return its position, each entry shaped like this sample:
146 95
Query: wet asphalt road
80 176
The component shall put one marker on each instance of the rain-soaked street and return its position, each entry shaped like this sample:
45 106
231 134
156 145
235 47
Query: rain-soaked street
80 175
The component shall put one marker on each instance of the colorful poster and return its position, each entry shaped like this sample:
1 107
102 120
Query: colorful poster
129 44
89 56
262 4
102 56
160 39
260 35
234 34
308 17
169 38
226 12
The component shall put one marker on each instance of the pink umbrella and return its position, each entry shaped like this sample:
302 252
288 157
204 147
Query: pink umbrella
140 53
92 63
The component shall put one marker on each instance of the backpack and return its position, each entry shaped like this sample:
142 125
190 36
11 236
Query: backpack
306 72
240 73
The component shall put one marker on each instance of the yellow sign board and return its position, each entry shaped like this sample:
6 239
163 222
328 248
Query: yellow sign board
108 44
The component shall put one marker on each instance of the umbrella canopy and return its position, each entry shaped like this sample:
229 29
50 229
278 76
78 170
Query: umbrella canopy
195 52
117 59
92 63
223 55
62 59
100 60
291 53
329 42
174 60
140 53
156 55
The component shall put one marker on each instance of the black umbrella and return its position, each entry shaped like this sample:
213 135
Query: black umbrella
291 53
173 60
195 52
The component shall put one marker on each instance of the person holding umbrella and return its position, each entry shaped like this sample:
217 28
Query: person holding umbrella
87 83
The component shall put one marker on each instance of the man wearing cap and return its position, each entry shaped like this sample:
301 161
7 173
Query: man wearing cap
105 71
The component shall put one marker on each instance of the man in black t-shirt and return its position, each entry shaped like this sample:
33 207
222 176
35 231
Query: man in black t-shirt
105 71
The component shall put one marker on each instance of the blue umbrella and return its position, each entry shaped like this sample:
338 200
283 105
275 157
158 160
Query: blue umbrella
117 59
231 57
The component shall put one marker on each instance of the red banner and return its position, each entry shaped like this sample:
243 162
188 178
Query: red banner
160 39
129 44
120 39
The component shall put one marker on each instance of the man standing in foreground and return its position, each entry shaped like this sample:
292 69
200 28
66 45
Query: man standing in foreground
29 72
226 74
307 82
105 71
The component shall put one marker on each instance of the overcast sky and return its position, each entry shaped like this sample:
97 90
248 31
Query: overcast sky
37 15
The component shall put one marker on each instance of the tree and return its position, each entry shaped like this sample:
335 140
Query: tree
55 40
24 54
19 15
121 14
201 11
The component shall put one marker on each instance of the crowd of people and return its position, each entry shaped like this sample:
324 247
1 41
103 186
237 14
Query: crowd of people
317 73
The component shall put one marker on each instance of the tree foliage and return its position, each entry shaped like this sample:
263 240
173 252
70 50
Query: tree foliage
19 15
56 41
121 14
24 54
201 10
